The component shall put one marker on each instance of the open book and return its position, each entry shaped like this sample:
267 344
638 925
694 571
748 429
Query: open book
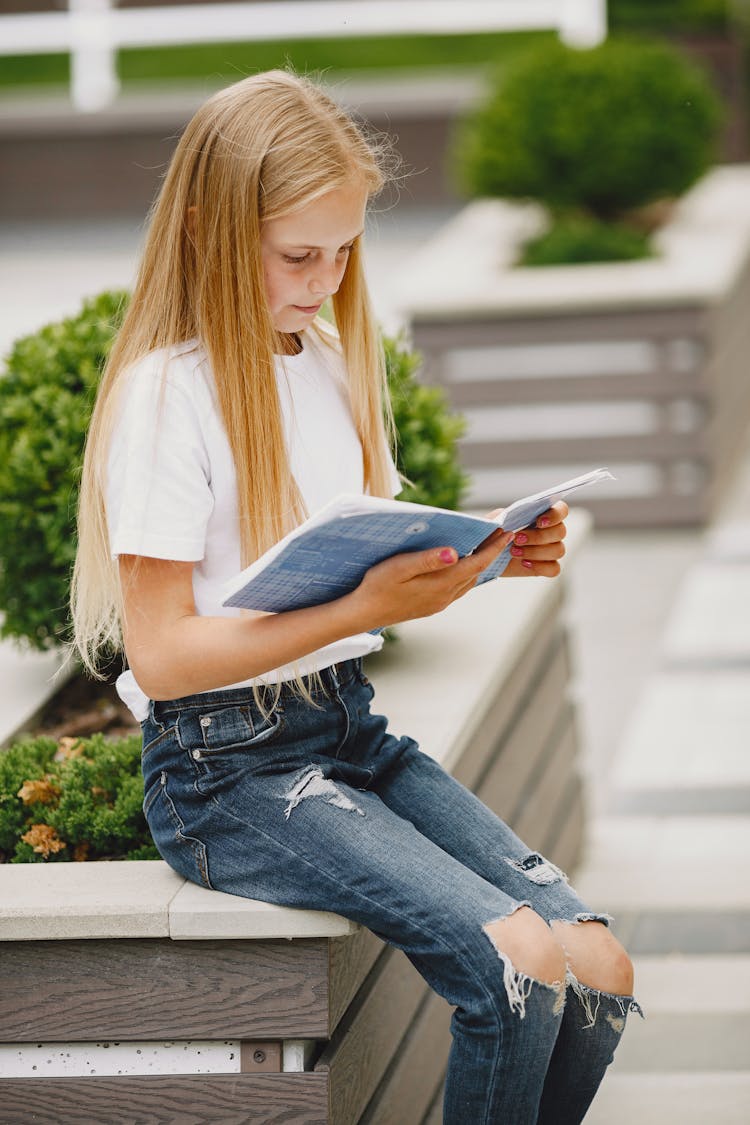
328 555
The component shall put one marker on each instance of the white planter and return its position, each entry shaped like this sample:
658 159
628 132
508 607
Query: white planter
637 365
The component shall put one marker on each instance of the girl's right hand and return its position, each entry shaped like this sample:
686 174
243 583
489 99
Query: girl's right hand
421 583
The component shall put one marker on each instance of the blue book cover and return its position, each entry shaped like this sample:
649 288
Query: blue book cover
328 555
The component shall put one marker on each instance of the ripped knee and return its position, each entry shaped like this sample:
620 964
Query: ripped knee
595 956
529 953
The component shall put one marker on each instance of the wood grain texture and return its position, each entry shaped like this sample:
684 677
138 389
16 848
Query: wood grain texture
369 1035
434 1115
161 989
195 1099
513 771
487 738
555 767
564 841
408 1087
350 959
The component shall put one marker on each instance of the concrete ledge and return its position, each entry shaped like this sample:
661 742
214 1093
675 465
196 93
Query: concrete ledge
92 900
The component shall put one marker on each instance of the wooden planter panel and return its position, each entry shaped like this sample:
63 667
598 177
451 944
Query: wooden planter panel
368 1038
154 989
195 1099
409 1086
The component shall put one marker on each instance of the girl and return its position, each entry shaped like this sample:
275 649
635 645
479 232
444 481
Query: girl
228 411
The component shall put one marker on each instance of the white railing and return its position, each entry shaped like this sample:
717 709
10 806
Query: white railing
92 31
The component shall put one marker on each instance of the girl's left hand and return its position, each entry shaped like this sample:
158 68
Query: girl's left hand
536 550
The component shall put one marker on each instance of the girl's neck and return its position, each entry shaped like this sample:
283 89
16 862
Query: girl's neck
289 343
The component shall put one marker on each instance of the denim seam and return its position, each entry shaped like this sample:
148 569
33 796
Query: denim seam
156 741
197 846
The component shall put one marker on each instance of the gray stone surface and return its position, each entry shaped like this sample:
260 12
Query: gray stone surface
698 930
700 1098
86 900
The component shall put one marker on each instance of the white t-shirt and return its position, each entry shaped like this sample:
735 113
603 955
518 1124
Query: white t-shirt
171 484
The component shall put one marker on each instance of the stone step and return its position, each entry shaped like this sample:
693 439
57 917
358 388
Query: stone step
707 627
689 731
692 985
669 1042
700 1098
644 864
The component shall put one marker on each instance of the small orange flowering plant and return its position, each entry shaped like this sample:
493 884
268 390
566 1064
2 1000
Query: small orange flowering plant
72 800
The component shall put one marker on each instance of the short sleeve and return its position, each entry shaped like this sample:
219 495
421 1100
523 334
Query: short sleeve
158 496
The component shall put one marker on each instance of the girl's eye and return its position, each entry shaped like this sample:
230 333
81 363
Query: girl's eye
297 261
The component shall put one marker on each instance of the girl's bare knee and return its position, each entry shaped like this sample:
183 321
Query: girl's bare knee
595 956
527 941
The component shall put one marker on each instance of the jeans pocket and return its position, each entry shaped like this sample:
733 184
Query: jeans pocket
208 734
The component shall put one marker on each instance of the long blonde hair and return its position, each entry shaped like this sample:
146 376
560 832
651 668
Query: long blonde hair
263 148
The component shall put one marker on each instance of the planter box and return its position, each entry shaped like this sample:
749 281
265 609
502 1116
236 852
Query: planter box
130 995
641 366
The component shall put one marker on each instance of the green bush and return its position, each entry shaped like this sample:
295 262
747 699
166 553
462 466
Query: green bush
604 130
575 239
427 432
76 800
679 17
46 398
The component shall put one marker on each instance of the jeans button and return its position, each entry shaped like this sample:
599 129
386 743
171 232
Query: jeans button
196 754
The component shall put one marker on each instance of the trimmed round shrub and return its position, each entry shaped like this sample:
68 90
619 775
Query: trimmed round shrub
576 239
682 17
79 799
606 129
46 398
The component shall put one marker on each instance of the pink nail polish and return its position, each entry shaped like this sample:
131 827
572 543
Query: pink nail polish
522 538
516 551
527 564
447 555
544 521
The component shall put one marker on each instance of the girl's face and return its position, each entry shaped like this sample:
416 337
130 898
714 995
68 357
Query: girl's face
305 255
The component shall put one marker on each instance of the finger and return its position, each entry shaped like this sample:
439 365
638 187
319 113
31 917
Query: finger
525 568
554 515
488 551
537 537
413 563
547 551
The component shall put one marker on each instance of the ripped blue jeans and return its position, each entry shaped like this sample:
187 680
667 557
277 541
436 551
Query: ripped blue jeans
320 807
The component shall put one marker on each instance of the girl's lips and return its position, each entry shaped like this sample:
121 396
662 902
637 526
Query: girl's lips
308 308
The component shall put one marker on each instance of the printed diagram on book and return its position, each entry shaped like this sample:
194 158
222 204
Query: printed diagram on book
328 555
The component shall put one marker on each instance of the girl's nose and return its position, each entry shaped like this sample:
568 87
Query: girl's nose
327 278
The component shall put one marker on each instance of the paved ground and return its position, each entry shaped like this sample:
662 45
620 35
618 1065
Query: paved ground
665 696
662 625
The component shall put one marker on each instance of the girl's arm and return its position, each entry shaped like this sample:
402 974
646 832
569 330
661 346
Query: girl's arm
174 652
